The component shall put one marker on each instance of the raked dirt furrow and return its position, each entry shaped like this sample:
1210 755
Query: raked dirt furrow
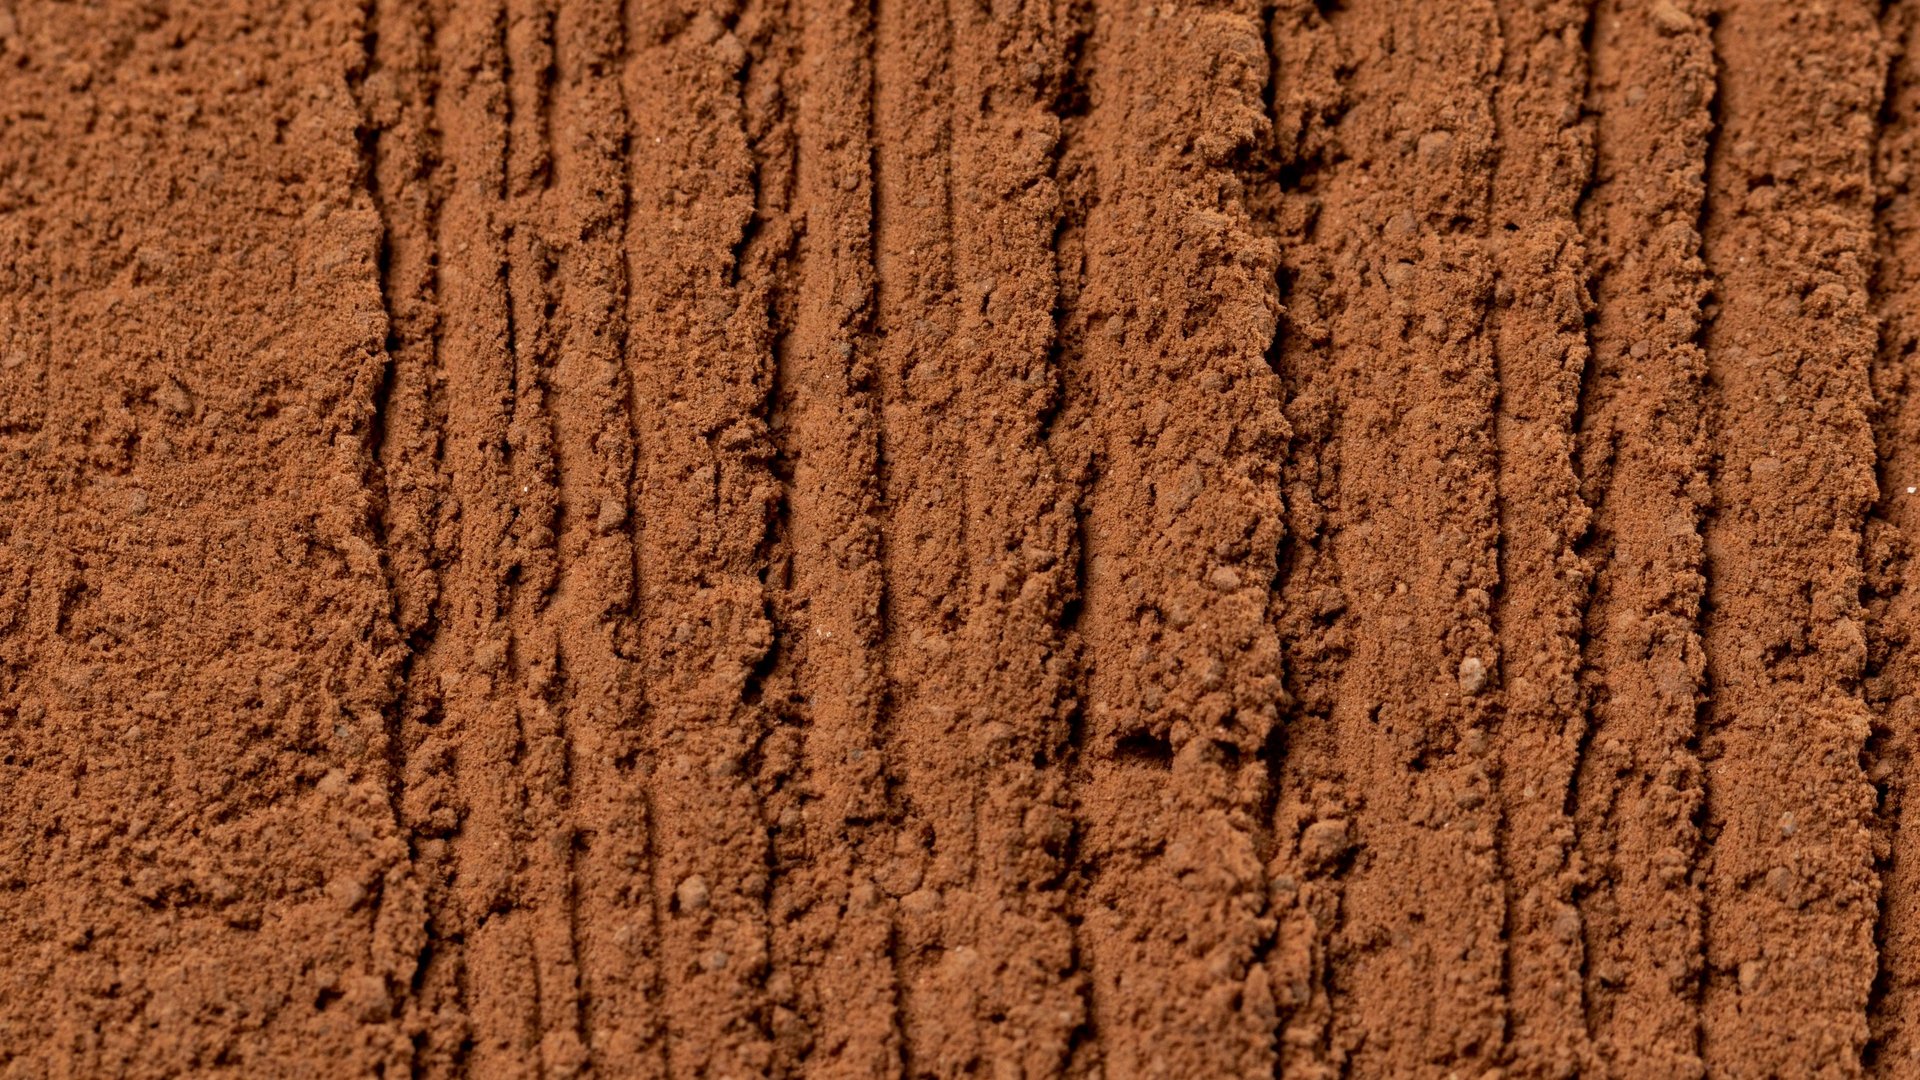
699 346
1892 539
1643 472
1789 234
475 660
1179 417
201 869
832 982
881 539
979 529
1394 807
589 698
1306 602
544 831
922 575
1538 326
403 179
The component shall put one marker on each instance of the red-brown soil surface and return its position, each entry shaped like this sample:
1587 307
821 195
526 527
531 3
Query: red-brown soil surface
985 538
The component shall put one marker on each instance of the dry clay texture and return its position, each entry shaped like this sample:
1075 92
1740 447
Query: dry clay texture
959 538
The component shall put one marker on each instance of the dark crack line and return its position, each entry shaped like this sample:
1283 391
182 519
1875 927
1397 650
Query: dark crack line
1895 30
1706 714
1584 392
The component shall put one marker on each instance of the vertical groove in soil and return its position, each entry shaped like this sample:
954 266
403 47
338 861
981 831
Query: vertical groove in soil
870 538
588 687
639 1034
1790 888
1889 545
1643 469
1060 428
1539 336
1309 98
541 749
1386 833
880 388
978 667
911 244
473 656
1182 427
701 357
397 103
832 984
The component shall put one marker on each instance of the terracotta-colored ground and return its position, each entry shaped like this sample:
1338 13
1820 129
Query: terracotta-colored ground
870 538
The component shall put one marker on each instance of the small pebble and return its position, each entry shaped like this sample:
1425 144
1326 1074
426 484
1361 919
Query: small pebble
1324 841
174 398
489 655
612 512
1473 675
1669 19
1435 143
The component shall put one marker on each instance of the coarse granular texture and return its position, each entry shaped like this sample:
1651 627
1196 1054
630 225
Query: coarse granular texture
995 538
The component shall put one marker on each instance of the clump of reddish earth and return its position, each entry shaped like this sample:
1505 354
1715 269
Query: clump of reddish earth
844 539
